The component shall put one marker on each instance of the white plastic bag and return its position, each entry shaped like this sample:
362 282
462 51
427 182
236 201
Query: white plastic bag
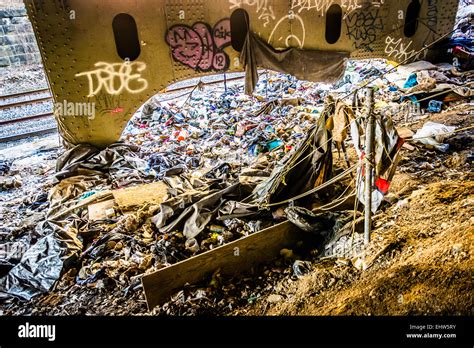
434 134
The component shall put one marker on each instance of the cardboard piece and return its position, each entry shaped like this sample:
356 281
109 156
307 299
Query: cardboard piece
99 211
404 132
154 193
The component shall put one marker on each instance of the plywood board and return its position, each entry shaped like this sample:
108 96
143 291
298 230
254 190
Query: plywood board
233 258
155 193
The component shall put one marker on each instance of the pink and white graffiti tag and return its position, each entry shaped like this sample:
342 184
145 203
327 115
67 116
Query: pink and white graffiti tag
200 47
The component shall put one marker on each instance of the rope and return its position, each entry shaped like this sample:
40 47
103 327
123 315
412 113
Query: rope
338 201
314 190
356 208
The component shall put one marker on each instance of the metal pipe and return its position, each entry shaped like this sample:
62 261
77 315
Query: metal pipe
369 158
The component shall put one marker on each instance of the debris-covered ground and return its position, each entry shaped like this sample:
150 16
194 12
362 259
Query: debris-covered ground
79 237
420 260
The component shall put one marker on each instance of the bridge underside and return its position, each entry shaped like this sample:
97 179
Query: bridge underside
115 55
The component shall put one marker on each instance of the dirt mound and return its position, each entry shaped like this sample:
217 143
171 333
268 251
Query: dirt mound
421 257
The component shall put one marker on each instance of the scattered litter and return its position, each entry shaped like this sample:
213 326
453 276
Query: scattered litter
435 106
300 268
224 165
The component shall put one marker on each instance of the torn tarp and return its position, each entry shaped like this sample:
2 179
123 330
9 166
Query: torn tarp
196 202
196 217
310 65
118 160
308 166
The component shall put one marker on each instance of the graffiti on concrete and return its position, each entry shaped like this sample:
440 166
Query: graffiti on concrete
200 47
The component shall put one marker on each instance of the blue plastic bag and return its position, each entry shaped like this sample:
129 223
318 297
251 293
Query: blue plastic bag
435 106
411 81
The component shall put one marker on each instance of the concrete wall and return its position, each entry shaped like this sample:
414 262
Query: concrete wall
17 40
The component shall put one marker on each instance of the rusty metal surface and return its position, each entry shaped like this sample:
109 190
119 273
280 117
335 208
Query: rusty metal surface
182 39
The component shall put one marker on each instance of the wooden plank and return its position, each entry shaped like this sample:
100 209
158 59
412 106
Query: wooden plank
233 258
154 193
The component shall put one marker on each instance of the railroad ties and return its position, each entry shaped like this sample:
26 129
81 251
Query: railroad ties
26 114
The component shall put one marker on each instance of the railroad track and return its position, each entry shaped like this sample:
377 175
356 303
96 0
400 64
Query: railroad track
26 114
24 98
16 125
35 133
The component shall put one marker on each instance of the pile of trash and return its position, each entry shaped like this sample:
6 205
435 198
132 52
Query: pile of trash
461 42
230 127
197 173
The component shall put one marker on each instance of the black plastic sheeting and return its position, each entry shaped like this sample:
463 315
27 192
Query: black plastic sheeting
82 168
310 65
